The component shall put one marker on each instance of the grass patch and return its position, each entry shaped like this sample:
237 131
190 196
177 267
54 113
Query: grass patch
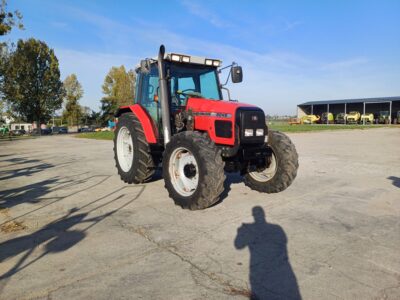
106 135
12 226
284 127
280 126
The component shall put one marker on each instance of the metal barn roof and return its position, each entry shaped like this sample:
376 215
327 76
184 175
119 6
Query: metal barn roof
360 100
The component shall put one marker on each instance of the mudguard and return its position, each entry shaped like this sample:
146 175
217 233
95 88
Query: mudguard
150 130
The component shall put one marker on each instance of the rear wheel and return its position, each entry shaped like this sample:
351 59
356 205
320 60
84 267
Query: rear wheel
282 169
131 151
193 170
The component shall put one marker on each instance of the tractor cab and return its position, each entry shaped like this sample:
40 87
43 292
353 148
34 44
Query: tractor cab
186 77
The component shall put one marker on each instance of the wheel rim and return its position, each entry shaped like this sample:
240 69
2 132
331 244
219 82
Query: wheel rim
268 173
124 149
184 171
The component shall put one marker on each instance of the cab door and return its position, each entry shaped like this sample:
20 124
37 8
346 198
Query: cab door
147 91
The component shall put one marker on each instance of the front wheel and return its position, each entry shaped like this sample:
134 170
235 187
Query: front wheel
282 169
193 170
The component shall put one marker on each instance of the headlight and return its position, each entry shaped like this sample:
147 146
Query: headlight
175 57
248 132
185 59
209 62
216 63
260 132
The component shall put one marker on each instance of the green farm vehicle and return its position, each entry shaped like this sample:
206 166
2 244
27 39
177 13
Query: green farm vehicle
4 130
327 118
383 118
340 118
397 119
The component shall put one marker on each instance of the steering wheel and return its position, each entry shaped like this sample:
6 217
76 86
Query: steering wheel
189 92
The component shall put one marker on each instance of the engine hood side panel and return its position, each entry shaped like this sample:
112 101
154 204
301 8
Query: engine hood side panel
207 111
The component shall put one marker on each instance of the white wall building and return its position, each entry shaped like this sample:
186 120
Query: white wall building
25 126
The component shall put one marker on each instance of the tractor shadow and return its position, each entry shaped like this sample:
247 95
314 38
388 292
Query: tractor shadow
24 171
271 276
395 181
19 161
231 178
39 192
19 167
156 176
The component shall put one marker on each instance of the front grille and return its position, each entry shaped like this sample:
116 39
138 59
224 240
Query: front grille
251 118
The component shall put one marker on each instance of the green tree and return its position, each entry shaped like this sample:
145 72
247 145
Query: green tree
85 114
119 90
9 19
2 109
3 64
95 118
73 93
32 81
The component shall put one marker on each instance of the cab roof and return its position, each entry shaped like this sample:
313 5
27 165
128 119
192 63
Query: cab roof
188 59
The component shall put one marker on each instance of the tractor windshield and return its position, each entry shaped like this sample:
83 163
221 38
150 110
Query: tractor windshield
192 81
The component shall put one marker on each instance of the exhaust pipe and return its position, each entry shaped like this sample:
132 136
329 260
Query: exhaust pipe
164 97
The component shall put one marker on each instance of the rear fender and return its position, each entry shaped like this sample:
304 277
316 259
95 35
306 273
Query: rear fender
150 130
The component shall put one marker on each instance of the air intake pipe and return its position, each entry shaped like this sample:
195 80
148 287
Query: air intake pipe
166 119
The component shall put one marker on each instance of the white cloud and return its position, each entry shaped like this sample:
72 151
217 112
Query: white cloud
202 12
59 25
291 25
345 64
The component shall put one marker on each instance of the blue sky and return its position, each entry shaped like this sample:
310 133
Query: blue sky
290 51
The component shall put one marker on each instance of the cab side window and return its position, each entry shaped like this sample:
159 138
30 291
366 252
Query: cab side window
149 91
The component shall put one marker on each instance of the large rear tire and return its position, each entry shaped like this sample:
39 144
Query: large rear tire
282 169
193 170
131 151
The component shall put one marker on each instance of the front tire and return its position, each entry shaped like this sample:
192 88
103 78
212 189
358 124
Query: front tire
132 153
282 169
193 170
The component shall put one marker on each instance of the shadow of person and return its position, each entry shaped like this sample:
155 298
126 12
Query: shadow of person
271 275
395 181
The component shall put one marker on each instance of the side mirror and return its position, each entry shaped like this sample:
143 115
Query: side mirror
237 74
145 66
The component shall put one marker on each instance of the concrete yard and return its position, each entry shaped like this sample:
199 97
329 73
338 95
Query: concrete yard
71 229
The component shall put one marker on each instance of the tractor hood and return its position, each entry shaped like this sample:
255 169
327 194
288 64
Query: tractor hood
199 105
220 119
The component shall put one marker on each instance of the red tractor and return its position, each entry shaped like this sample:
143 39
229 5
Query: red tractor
180 119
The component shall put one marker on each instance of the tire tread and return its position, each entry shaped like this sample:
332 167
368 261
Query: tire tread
144 168
286 154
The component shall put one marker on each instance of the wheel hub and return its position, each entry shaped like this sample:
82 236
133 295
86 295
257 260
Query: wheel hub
268 173
124 149
183 170
189 170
